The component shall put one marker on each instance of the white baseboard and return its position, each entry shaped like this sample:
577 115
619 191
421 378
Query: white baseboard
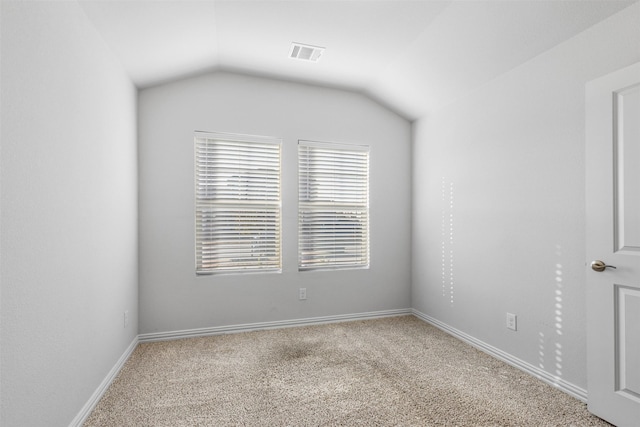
246 327
102 388
565 386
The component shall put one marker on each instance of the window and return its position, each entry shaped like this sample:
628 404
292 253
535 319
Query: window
237 203
333 206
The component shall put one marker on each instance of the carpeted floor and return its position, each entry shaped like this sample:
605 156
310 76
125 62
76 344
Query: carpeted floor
395 371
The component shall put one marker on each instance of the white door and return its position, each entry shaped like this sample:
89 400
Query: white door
613 237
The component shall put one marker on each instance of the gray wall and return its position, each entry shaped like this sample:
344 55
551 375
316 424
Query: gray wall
499 196
172 297
69 212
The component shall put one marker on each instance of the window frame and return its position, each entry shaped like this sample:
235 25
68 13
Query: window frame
264 204
341 206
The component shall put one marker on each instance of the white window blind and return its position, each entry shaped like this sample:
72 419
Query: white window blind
333 206
237 203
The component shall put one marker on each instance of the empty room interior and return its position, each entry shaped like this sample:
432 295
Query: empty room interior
463 131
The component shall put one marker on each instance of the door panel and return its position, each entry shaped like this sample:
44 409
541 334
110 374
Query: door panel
626 140
627 315
613 236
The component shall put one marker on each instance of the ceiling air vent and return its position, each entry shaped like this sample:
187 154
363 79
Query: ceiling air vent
305 52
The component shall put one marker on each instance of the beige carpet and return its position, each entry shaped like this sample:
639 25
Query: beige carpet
395 371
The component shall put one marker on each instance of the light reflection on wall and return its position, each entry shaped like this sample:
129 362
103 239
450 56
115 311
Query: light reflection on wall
447 240
443 261
558 313
541 350
554 348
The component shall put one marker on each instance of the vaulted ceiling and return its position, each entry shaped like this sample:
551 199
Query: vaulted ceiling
413 56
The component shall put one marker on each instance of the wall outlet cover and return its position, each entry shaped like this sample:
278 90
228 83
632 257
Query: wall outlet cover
512 321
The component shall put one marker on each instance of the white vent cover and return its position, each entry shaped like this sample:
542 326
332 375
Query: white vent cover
305 52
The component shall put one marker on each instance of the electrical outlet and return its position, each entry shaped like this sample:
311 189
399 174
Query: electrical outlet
126 318
512 320
303 293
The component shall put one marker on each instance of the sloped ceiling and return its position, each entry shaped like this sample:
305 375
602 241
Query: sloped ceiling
412 56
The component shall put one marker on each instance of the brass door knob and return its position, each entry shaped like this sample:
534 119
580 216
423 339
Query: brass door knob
598 265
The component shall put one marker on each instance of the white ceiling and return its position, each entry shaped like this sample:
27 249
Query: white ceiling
410 55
